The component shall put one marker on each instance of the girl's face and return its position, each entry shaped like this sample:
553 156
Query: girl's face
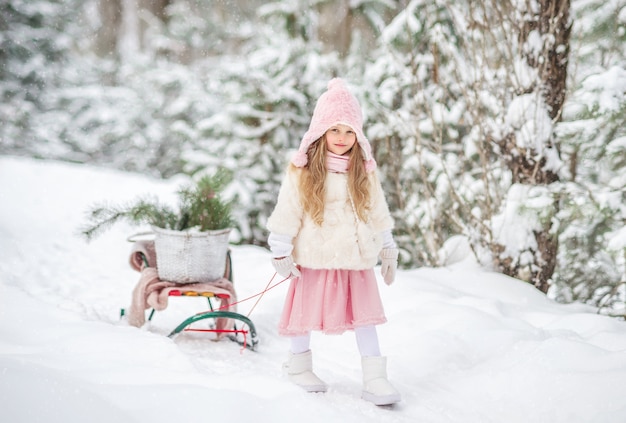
340 139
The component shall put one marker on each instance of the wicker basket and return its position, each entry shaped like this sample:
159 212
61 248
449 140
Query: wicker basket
186 257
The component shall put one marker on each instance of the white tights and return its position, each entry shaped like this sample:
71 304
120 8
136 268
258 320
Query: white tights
366 340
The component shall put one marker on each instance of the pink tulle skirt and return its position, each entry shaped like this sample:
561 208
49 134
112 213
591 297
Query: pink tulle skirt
332 301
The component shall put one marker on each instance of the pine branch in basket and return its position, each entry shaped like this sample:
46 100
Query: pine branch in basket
200 207
144 211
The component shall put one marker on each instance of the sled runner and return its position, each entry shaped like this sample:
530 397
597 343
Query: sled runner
153 293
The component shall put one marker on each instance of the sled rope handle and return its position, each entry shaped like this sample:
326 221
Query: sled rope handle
259 294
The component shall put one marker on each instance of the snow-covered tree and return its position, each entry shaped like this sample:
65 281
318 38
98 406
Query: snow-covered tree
136 107
469 105
268 90
473 95
268 87
528 143
479 124
410 119
34 45
592 257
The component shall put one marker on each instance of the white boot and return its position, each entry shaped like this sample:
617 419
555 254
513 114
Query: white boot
376 387
299 368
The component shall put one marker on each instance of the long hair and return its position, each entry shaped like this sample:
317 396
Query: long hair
313 180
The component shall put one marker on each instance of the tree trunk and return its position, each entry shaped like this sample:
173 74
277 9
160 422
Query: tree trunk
148 9
124 24
335 27
549 23
552 20
343 22
110 12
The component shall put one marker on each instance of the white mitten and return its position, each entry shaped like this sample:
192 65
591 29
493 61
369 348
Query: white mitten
285 267
389 264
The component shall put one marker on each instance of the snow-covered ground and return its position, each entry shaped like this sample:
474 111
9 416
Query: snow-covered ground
464 345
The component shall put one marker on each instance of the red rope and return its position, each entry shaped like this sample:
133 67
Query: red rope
244 332
267 288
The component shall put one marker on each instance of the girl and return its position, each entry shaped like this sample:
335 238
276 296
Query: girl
331 218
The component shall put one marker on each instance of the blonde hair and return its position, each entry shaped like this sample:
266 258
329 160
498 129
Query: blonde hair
313 179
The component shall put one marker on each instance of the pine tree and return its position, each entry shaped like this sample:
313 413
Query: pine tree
268 89
592 260
463 114
34 45
414 119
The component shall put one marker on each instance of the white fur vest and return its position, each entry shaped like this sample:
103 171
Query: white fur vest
342 241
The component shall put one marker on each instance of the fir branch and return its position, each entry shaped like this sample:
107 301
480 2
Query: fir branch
144 211
200 205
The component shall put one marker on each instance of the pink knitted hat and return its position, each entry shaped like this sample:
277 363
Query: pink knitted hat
336 106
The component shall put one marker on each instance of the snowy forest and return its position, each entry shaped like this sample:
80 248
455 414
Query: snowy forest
499 126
